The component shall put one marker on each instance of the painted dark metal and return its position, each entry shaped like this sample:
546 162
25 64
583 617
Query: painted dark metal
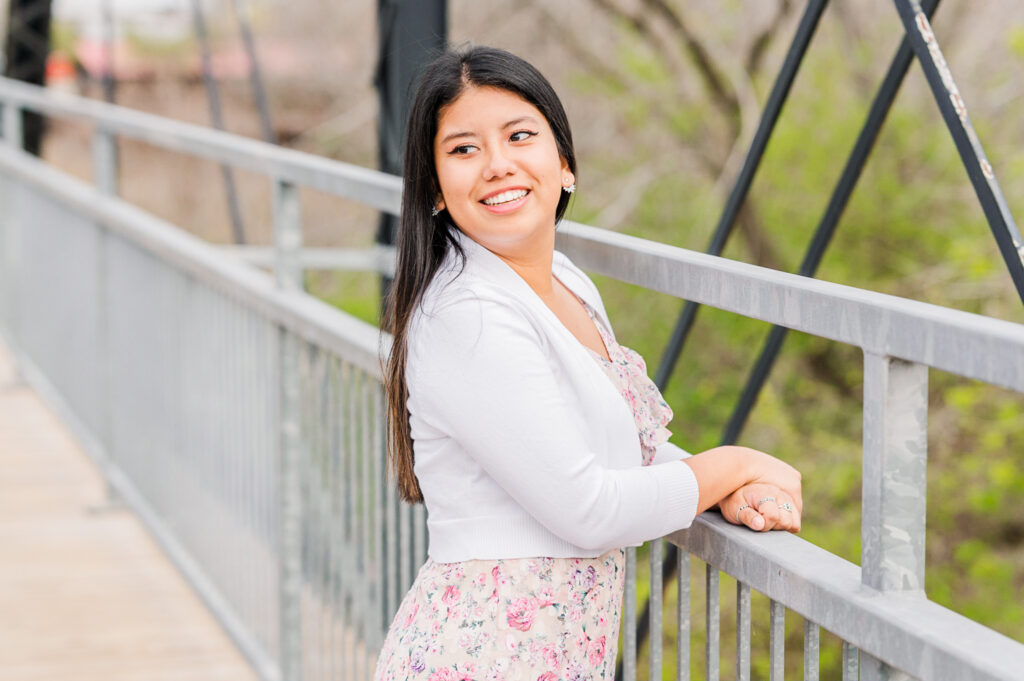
954 112
827 227
741 187
411 33
217 119
26 47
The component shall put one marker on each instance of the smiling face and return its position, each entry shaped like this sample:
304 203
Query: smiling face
500 173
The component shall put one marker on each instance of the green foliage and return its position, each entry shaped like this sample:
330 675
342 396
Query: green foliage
63 37
1015 40
357 293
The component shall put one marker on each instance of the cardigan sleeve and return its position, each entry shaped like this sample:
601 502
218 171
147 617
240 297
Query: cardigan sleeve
667 451
481 376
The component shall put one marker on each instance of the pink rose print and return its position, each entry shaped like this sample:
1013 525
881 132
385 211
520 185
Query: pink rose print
411 614
547 676
521 613
595 651
551 656
451 595
444 674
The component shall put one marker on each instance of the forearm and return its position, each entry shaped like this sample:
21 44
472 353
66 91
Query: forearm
720 472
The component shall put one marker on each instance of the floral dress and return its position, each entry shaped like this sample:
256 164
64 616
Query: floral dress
525 619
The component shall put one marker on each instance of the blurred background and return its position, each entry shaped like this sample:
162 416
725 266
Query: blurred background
663 98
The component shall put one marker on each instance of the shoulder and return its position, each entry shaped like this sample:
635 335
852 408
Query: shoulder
467 316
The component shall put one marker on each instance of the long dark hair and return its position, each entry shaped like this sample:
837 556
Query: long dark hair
423 239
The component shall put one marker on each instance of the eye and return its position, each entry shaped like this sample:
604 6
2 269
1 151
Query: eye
521 135
461 150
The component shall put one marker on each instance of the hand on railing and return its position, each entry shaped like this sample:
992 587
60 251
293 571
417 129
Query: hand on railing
762 507
739 481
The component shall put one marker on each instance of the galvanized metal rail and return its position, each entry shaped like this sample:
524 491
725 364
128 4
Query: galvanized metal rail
243 419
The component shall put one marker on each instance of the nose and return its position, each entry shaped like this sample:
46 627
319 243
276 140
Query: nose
498 164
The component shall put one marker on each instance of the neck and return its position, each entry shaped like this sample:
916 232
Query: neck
534 265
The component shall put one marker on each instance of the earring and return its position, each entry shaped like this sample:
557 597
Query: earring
434 211
570 189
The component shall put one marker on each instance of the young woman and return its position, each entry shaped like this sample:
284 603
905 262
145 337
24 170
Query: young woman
537 443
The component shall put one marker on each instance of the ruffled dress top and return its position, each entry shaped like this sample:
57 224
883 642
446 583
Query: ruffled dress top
543 618
628 371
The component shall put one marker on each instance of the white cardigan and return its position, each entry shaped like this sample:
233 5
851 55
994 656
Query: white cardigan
523 446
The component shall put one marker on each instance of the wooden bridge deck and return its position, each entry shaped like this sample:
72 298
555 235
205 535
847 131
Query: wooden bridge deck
85 593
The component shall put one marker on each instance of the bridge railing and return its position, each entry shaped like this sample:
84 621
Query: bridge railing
243 419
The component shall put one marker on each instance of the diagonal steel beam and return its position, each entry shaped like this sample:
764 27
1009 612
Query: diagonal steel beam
741 187
954 112
217 118
827 227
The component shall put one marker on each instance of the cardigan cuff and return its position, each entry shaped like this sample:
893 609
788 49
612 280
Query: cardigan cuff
680 493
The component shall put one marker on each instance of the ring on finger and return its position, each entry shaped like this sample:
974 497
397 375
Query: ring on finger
771 499
741 508
785 507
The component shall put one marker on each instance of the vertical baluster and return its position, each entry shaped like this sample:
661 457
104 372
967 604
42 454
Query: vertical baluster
287 241
318 465
351 530
378 482
811 649
742 631
656 557
345 509
851 671
712 622
333 493
366 565
683 615
629 618
290 570
394 557
776 641
312 521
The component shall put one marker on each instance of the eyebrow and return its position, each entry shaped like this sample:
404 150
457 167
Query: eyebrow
509 124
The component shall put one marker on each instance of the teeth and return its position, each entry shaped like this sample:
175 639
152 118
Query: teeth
505 197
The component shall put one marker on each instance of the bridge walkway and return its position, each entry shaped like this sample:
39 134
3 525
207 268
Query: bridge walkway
85 591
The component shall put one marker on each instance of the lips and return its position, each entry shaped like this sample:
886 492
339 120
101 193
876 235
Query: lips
504 195
505 200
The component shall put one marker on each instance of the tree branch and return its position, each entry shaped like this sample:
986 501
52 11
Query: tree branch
723 97
762 40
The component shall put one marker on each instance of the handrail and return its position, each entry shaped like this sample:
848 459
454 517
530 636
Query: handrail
960 342
966 344
379 190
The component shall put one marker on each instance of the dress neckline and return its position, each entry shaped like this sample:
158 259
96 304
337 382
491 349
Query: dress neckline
605 337
601 331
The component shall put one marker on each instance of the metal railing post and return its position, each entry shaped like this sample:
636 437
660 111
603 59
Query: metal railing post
104 161
13 131
288 273
104 164
895 489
